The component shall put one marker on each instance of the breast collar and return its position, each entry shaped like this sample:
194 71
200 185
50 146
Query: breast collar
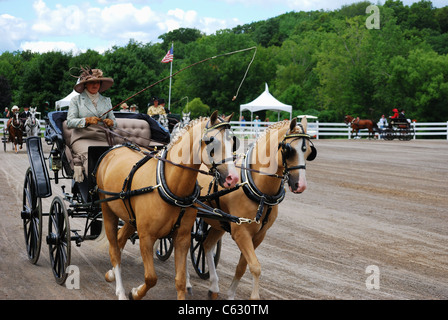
166 194
251 190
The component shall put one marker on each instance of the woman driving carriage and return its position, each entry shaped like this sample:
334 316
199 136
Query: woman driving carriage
86 114
14 111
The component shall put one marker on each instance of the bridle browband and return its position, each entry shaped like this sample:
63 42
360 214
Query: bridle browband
286 149
224 125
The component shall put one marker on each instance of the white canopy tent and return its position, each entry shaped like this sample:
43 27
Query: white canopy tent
266 102
65 102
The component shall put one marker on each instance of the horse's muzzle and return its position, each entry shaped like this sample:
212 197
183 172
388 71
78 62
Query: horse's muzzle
297 185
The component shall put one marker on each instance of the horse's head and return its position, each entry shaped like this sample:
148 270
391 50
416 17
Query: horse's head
217 146
185 118
163 120
296 148
16 120
348 119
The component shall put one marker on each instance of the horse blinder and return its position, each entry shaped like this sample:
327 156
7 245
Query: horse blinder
288 150
313 154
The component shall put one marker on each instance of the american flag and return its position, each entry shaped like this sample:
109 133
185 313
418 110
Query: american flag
169 56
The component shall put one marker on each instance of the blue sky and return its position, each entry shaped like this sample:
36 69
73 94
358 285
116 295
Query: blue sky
45 25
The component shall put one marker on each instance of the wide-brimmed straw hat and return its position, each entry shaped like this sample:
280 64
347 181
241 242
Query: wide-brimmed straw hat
92 75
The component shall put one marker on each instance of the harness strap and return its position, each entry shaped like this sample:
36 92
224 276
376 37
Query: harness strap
251 190
166 194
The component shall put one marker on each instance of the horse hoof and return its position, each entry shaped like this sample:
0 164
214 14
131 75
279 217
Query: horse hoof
190 291
131 297
110 276
212 295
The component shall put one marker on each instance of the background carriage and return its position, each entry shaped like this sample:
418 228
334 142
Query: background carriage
398 128
81 201
27 128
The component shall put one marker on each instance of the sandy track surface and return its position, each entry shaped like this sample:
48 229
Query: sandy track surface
368 203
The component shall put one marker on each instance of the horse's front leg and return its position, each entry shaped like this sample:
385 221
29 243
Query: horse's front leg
147 251
248 257
209 245
181 248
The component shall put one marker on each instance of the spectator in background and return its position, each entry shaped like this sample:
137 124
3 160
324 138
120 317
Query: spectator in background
124 107
6 113
156 109
243 120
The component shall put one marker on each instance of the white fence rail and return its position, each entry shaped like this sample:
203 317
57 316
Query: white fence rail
340 129
317 129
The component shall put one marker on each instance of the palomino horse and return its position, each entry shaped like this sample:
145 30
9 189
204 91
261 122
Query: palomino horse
15 129
32 126
168 211
357 124
279 155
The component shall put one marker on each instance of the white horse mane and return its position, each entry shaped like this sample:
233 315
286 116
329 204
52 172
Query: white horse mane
182 131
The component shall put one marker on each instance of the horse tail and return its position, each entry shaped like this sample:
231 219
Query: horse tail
101 242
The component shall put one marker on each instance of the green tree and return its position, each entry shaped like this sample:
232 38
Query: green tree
5 93
42 79
130 75
197 108
420 84
182 35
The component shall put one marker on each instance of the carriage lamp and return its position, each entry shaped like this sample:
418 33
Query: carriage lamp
55 160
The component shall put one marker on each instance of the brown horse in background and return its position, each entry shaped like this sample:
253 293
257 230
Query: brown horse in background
357 124
15 129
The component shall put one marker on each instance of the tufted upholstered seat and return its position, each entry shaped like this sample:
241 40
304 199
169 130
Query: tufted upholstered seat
128 130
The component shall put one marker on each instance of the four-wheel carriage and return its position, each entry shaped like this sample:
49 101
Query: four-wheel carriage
82 201
398 128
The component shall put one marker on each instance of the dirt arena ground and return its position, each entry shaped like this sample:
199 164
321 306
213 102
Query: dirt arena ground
375 214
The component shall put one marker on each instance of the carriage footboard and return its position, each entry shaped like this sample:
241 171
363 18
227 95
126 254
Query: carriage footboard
38 167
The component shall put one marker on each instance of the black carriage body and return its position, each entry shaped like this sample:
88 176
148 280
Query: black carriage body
38 167
81 201
398 128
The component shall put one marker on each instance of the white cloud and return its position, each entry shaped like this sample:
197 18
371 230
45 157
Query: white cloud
108 21
13 30
45 46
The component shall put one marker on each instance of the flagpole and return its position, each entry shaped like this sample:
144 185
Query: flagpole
171 77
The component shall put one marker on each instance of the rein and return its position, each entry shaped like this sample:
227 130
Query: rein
165 193
248 184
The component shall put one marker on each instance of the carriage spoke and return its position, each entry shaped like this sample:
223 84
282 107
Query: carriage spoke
32 218
58 239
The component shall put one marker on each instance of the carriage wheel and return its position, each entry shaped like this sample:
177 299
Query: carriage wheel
32 218
198 235
408 135
58 239
401 134
389 134
165 248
